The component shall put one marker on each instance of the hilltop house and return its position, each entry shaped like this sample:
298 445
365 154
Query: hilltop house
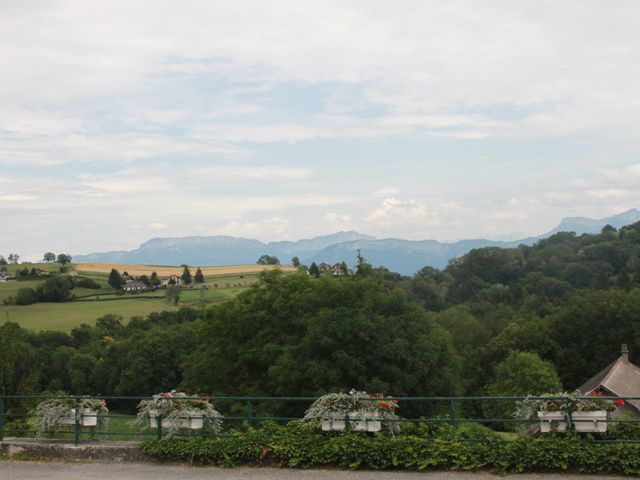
42 273
324 267
621 378
172 280
337 270
134 286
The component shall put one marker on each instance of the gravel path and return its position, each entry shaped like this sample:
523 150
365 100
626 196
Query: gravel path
12 470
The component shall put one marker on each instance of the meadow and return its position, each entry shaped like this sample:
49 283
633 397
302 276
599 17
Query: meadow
221 283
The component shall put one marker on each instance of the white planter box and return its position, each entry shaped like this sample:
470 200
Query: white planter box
594 422
190 420
357 423
332 425
88 418
552 421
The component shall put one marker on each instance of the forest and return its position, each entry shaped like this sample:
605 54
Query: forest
527 320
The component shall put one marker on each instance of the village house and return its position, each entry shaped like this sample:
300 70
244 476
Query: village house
6 277
42 273
324 267
621 378
337 270
172 280
134 286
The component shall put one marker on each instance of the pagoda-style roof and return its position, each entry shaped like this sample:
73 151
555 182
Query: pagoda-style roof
621 378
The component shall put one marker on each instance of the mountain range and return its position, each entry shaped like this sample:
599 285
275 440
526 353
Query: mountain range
403 256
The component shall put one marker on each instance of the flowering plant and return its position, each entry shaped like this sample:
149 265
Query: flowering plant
175 406
564 402
58 412
355 404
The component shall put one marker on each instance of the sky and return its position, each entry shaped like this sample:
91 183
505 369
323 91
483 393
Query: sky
126 120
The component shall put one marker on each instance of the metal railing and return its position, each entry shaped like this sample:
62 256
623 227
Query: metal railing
18 415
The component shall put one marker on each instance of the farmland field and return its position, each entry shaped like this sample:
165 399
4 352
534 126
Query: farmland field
164 270
221 283
65 316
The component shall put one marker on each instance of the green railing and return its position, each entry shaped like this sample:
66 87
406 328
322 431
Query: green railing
18 414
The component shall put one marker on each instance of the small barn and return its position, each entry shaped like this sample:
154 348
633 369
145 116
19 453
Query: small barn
621 378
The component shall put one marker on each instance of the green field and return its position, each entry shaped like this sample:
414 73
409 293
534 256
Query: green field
90 305
65 316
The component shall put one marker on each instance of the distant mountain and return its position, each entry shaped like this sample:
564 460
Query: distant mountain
403 256
589 225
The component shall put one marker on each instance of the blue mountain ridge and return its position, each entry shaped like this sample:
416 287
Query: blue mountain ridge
402 256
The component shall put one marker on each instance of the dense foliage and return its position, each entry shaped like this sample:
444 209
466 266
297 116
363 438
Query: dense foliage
465 448
495 321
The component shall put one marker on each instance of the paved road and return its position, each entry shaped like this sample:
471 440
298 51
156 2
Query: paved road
12 470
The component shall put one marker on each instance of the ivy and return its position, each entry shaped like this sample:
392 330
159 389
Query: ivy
301 447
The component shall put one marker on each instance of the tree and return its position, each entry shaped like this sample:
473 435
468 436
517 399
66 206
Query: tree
3 261
314 270
520 374
199 278
13 258
115 279
295 261
322 335
155 281
64 258
49 257
18 361
26 296
268 260
172 295
363 268
55 289
186 275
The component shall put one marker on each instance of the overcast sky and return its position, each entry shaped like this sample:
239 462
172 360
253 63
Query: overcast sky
126 120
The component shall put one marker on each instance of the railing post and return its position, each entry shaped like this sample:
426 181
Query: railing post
570 425
159 426
347 426
453 414
250 412
1 418
77 422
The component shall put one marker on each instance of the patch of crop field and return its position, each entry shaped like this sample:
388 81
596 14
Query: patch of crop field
165 271
194 296
67 315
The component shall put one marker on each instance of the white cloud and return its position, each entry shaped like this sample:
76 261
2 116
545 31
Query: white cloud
16 197
267 229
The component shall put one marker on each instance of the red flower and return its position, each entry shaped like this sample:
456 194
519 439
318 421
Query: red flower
619 402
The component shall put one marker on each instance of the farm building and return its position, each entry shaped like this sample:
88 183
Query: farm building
172 280
134 286
621 378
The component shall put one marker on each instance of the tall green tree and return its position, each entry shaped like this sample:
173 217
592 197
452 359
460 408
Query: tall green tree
293 335
199 276
186 275
295 261
49 257
18 361
520 374
115 279
314 271
64 258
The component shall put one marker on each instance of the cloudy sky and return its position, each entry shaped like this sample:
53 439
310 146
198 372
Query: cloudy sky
125 120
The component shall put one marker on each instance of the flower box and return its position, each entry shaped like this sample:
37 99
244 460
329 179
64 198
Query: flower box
552 421
357 422
190 420
333 425
590 422
88 417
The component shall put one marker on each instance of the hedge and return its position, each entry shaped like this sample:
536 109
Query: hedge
298 447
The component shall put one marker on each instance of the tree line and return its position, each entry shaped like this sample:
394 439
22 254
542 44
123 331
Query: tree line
516 321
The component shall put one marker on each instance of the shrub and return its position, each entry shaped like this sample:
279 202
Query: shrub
299 446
